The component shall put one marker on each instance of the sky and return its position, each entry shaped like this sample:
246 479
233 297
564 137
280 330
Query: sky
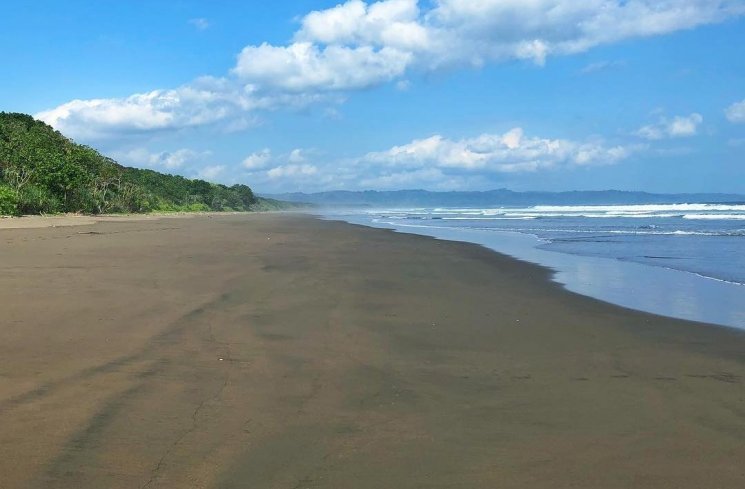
317 95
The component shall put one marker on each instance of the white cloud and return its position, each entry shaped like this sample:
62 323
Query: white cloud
296 156
441 163
498 28
168 160
292 171
650 132
382 41
184 161
677 127
601 66
357 45
597 154
203 102
200 24
261 160
303 66
210 172
258 160
501 153
736 112
682 126
393 23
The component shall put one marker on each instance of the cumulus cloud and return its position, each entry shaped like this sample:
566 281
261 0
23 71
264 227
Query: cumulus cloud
441 163
185 161
258 160
292 171
447 32
565 26
677 127
357 45
296 156
736 112
393 23
684 126
210 172
163 160
304 66
205 101
261 160
504 153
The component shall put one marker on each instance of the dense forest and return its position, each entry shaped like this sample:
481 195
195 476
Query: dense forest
42 171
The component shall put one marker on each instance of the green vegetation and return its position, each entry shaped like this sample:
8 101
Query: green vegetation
265 205
41 171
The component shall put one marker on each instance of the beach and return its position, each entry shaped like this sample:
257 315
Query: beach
284 351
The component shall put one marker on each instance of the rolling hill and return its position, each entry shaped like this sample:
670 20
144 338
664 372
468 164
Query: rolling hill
42 171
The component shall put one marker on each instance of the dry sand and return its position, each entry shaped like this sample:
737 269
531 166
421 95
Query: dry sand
66 220
276 351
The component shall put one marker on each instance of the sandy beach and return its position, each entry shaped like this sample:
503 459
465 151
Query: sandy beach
282 351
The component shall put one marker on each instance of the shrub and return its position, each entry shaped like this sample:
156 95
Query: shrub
8 201
34 199
198 207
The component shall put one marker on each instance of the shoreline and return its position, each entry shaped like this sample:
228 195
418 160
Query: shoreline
698 298
277 350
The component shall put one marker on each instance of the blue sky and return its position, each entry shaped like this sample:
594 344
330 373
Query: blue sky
441 94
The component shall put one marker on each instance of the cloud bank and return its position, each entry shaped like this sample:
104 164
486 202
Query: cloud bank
184 161
677 127
358 45
510 152
437 162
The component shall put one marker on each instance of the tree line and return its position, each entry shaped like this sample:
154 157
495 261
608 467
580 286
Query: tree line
42 171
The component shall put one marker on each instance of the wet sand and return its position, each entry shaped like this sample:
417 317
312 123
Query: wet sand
280 351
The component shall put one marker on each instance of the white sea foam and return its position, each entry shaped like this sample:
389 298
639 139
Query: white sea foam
724 217
493 218
634 232
598 216
649 208
645 211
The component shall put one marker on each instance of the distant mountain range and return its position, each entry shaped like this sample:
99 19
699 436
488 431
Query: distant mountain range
499 197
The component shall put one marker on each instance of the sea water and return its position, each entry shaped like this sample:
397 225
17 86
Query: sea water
681 260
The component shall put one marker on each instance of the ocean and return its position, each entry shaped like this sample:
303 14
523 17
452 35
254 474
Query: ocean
681 260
